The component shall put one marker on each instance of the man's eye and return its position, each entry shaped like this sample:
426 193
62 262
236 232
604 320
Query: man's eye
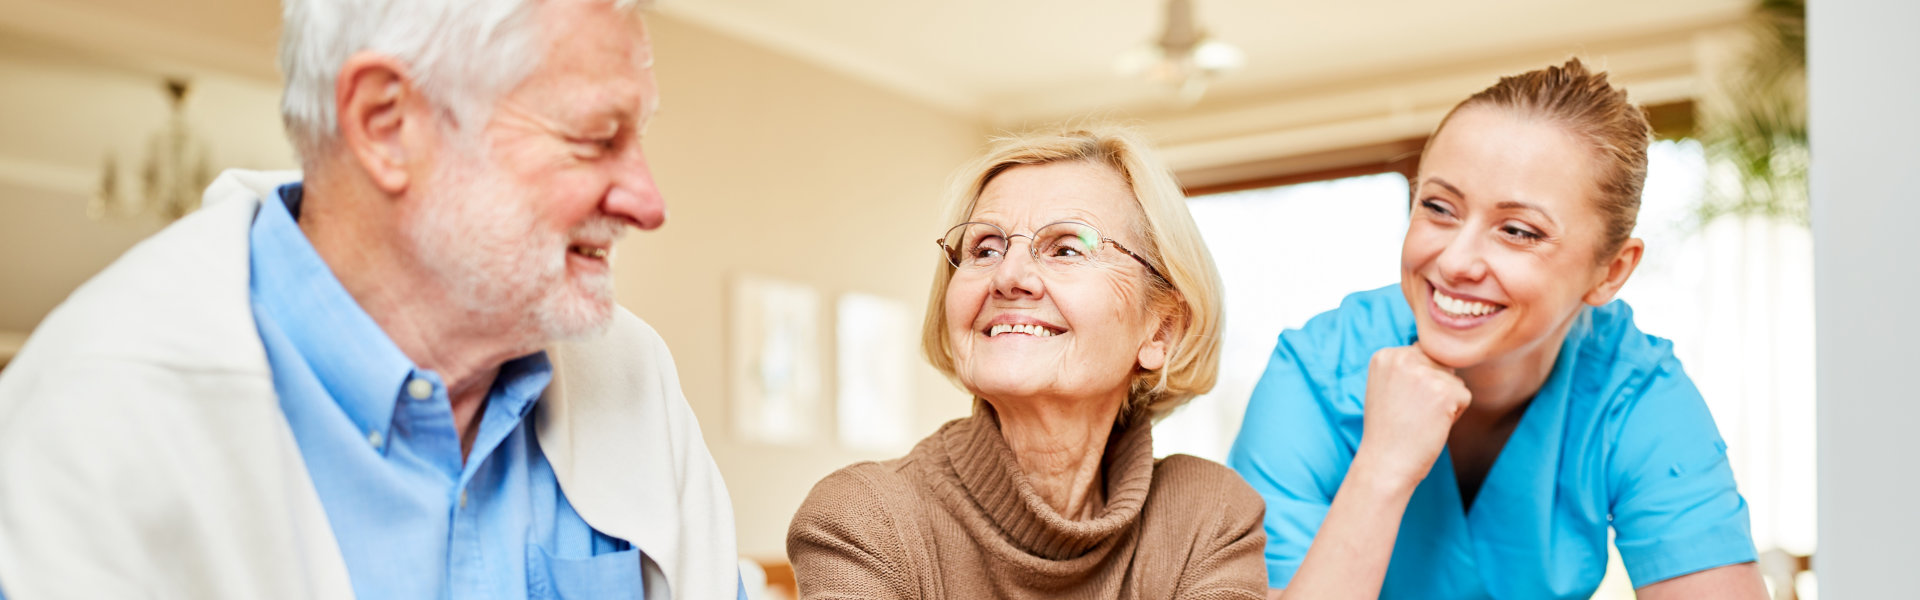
596 144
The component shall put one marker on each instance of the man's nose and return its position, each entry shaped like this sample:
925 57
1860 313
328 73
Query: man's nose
634 195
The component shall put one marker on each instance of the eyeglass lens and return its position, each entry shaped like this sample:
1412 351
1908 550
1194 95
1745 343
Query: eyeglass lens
980 245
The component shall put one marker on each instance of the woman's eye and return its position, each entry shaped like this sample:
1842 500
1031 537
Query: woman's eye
986 253
1521 233
1436 208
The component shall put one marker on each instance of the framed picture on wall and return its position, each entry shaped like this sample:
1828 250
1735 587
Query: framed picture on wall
874 354
774 368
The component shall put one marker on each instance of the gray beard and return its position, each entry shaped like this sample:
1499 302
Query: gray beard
499 271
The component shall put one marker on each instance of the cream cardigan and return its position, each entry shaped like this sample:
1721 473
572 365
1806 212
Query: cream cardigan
143 452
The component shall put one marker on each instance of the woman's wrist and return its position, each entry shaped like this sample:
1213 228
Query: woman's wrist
1379 476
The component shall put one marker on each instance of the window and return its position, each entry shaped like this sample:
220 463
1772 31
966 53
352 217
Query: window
1285 254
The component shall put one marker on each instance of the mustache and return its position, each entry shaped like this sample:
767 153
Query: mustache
600 231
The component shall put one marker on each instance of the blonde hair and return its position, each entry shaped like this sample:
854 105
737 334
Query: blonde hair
1596 113
1189 293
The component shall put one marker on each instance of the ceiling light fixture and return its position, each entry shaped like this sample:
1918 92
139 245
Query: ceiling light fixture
172 176
1184 58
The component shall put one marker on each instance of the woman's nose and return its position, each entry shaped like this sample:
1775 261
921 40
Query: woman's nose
1017 275
1462 259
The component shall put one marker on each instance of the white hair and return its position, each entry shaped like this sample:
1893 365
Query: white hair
462 54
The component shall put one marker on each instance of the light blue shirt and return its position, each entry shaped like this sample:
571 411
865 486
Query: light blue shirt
1617 436
413 520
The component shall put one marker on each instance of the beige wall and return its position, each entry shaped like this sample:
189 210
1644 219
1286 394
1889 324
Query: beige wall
774 167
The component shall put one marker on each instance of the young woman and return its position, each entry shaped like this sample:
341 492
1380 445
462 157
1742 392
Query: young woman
1475 430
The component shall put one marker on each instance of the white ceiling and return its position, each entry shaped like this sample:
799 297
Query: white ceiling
1019 59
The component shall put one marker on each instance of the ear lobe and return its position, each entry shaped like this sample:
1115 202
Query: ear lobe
381 118
1617 271
1153 354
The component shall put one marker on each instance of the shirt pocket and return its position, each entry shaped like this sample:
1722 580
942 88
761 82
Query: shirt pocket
611 576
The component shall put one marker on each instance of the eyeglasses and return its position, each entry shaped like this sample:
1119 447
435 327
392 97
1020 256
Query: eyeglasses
1064 245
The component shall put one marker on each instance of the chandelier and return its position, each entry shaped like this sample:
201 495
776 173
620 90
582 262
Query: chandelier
172 176
1184 58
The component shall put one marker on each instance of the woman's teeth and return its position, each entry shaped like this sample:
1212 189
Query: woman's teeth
1463 308
1034 330
589 252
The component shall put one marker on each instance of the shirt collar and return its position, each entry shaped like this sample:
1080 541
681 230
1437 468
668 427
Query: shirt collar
353 358
520 383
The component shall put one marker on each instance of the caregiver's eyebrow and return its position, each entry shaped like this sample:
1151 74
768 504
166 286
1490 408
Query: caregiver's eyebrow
1527 206
1443 183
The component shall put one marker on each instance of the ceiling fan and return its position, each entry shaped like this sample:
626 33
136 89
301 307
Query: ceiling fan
1185 58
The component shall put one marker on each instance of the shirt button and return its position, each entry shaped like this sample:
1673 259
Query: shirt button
420 389
374 438
463 498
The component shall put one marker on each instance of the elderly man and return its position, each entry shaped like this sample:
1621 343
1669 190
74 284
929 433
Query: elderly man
401 376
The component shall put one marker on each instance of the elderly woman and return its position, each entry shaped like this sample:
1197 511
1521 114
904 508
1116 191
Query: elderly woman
1075 300
1474 431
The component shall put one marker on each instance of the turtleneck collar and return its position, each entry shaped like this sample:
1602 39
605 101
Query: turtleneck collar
999 493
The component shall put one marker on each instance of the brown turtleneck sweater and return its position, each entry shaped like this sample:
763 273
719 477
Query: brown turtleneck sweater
957 519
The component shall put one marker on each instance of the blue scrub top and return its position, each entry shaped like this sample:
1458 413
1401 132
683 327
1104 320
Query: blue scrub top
1617 435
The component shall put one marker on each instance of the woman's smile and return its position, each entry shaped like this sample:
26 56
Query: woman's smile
1460 311
1014 326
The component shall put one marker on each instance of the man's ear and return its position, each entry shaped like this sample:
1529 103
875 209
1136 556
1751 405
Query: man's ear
384 120
1617 271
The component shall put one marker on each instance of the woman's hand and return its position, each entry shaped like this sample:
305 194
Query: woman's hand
1411 405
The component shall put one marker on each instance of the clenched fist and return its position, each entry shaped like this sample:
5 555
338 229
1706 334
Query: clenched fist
1411 405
